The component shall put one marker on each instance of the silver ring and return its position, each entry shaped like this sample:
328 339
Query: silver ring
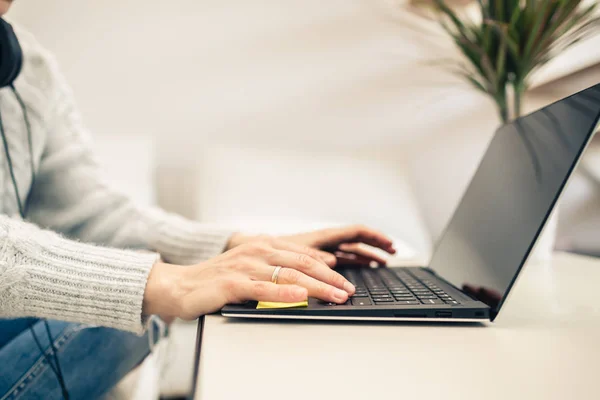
275 275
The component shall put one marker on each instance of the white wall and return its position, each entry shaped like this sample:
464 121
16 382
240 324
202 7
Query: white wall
278 72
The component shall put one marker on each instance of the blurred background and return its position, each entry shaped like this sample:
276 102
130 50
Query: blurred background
281 115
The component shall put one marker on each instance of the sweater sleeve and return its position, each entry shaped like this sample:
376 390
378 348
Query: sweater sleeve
71 196
47 276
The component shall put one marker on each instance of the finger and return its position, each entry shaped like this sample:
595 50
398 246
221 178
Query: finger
327 258
352 259
316 288
312 268
361 250
356 233
244 290
208 296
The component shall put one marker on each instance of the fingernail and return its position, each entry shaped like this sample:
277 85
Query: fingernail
349 288
340 295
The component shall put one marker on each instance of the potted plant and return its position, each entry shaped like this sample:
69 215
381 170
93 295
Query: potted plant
511 40
506 43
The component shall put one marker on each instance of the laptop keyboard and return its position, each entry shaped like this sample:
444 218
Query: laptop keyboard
393 287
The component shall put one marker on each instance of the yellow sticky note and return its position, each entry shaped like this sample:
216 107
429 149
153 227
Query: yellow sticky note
271 304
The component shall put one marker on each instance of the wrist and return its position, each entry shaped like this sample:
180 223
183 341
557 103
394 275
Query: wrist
162 288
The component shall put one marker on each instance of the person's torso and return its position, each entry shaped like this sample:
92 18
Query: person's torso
33 84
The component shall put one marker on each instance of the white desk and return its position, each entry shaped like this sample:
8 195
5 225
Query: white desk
544 345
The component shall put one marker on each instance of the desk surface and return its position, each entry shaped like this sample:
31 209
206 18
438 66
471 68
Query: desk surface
544 345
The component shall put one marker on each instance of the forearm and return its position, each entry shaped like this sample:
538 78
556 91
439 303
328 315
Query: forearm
47 276
98 214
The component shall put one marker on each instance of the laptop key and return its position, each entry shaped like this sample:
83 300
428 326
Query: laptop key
432 301
384 286
361 302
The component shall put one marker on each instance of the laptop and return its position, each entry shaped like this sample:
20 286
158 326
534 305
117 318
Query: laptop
488 239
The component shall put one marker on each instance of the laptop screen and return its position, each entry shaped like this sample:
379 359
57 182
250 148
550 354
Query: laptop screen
519 179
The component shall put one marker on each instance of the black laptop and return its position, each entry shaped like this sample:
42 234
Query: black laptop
489 237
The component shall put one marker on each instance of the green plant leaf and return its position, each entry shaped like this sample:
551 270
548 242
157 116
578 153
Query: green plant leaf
537 28
458 24
478 85
499 9
514 39
483 9
501 62
502 30
565 19
516 15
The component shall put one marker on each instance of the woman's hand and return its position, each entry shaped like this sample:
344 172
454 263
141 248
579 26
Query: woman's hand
241 274
335 244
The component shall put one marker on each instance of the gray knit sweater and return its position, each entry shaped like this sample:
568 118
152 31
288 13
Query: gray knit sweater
67 262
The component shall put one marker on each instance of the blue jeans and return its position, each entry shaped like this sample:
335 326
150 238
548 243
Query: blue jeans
93 359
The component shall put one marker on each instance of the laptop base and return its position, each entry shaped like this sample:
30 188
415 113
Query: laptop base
465 309
356 318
